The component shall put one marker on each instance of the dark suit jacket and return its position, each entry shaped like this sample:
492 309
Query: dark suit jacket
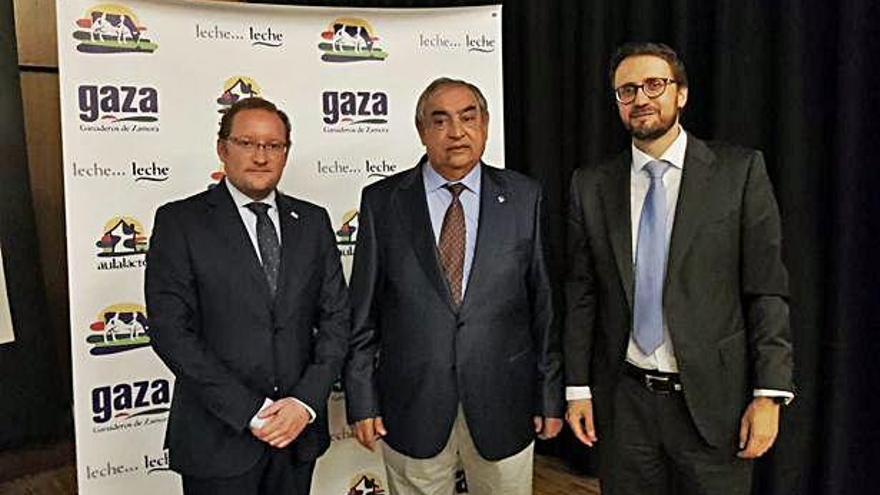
726 290
497 356
213 323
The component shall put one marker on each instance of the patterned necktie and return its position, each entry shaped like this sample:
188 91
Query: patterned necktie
452 242
267 240
651 263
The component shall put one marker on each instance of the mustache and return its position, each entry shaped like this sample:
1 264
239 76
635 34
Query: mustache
641 112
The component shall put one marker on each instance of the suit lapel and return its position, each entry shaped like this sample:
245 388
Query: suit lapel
492 219
616 201
693 196
412 210
292 266
226 220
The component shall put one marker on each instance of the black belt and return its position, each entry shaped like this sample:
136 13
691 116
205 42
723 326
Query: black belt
655 381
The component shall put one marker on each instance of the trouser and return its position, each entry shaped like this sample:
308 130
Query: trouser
436 475
275 473
654 448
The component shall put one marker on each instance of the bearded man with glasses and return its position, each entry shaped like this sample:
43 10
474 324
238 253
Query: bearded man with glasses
677 341
249 310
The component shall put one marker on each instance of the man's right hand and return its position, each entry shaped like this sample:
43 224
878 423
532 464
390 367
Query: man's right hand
369 430
580 419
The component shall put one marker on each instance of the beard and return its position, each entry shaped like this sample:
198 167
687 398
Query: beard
653 131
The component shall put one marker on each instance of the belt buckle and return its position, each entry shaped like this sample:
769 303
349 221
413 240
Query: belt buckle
653 382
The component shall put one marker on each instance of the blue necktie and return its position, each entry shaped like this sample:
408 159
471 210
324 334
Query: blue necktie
651 263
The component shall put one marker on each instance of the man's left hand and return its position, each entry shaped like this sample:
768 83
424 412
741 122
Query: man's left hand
758 428
547 428
287 418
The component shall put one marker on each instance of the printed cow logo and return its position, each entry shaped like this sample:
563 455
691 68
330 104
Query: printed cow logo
130 405
109 28
350 39
366 484
119 328
118 108
355 111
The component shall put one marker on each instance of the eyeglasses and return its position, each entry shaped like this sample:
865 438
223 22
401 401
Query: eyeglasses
252 146
653 87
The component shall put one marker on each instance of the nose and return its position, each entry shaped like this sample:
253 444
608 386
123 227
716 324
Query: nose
260 155
456 128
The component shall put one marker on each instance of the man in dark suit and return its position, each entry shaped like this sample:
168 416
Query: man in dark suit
248 308
677 327
453 353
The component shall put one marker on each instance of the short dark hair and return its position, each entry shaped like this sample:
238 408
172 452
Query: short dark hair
253 103
443 82
661 50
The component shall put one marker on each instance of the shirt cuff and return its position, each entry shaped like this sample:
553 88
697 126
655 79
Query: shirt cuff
770 392
257 422
311 411
578 393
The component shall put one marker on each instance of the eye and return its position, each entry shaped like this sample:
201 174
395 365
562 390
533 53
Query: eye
654 83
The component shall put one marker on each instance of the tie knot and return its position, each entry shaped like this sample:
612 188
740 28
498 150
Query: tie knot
657 168
456 189
258 208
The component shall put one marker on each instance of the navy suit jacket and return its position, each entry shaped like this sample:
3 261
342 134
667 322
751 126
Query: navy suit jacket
415 356
229 344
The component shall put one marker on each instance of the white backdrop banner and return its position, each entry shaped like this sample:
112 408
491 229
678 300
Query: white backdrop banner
143 86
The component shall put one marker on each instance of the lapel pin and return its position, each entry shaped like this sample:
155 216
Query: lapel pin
501 198
294 215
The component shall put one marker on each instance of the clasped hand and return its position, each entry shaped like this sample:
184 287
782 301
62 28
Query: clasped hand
285 421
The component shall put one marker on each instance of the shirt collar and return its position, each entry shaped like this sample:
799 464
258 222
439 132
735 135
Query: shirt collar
674 154
434 180
242 200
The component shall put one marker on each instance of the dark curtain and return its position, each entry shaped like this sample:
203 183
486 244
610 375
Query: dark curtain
31 408
790 78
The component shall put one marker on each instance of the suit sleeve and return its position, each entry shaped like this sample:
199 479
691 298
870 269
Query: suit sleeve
173 309
361 390
765 283
550 402
580 293
333 317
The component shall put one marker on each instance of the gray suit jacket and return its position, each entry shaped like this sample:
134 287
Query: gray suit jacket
415 358
726 290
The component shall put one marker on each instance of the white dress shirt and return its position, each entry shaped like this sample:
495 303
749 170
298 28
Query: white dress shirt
249 218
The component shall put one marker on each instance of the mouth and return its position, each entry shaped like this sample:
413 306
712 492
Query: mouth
640 114
458 149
